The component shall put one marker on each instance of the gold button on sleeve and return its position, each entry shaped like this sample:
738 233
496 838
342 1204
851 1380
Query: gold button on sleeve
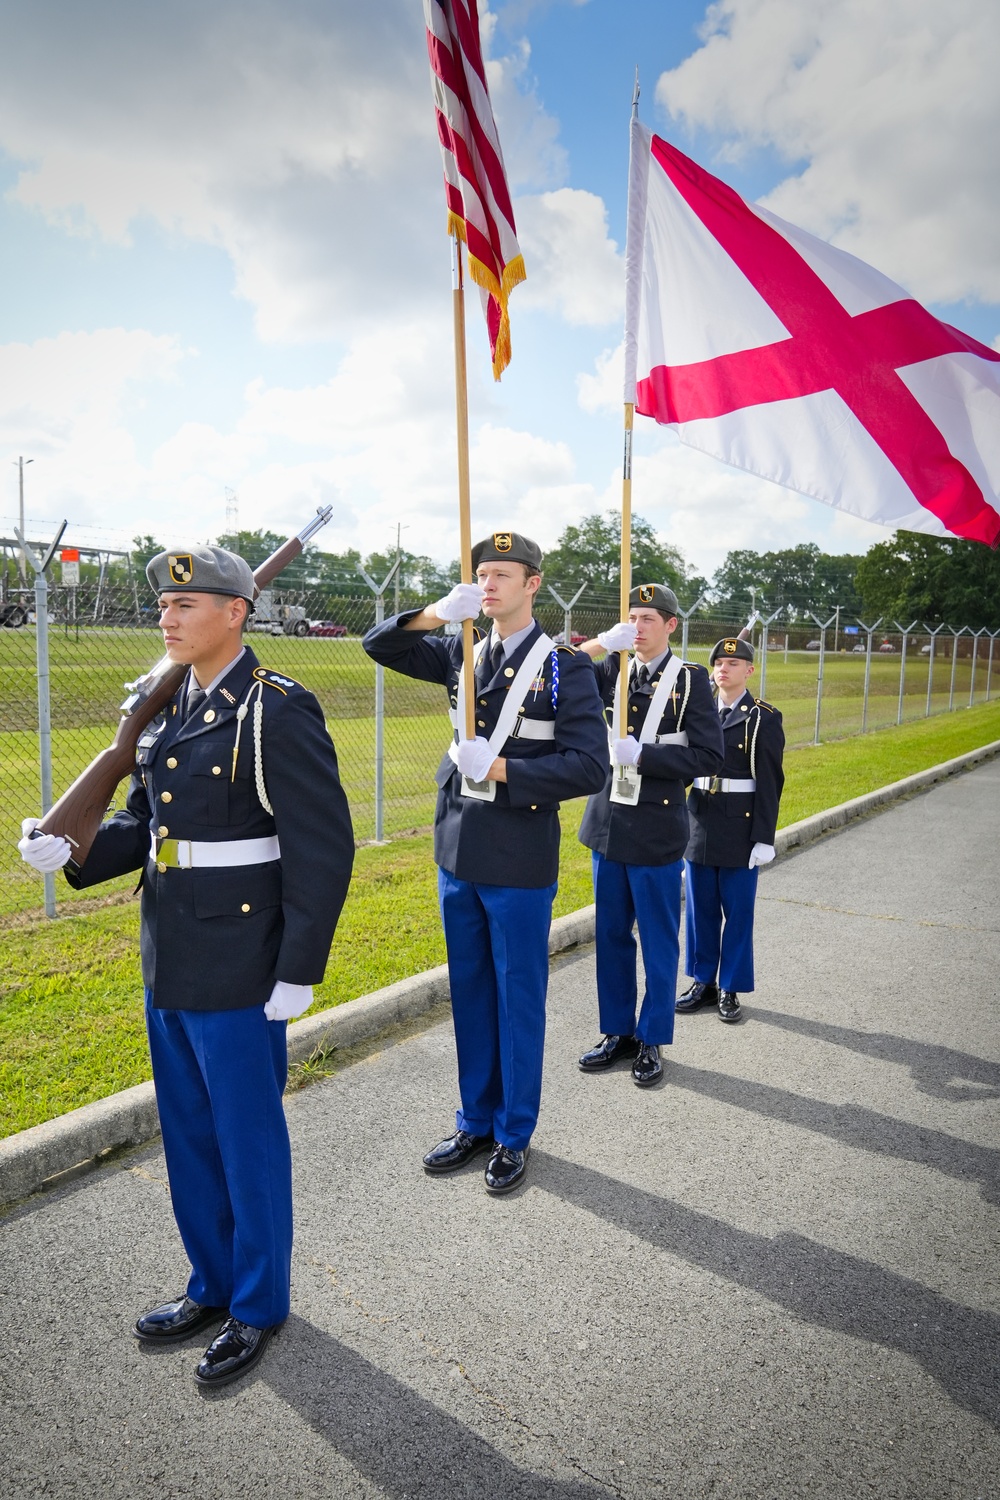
245 906
166 796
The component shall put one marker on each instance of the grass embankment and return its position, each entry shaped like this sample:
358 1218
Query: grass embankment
71 1026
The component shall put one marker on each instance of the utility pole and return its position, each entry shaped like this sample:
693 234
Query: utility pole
22 565
399 557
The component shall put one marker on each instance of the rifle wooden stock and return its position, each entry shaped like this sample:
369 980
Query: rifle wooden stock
81 809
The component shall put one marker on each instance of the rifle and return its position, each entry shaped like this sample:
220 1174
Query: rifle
80 810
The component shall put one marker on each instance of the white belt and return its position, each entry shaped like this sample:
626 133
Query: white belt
526 729
193 854
723 784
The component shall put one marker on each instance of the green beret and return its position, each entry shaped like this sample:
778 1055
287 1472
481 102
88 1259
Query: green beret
204 570
732 647
507 546
654 596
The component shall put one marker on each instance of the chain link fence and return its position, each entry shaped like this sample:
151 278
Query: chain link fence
828 684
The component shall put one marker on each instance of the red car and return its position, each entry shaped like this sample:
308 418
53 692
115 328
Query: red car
326 627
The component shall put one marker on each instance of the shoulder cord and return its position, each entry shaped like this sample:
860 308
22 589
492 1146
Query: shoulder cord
258 726
684 702
753 743
555 680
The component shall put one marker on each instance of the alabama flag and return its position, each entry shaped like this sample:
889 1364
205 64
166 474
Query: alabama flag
777 353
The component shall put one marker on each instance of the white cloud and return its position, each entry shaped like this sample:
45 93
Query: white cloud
603 391
894 110
299 139
573 267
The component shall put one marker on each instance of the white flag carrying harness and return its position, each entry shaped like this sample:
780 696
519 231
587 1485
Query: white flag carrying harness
627 780
485 791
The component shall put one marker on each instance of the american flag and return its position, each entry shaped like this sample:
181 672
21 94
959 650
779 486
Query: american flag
476 192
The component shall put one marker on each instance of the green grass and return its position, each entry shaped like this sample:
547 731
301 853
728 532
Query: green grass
71 1027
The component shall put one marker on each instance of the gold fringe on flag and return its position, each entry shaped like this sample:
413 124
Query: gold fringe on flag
513 272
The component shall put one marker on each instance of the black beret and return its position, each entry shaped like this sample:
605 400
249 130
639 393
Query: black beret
204 570
732 647
507 546
655 596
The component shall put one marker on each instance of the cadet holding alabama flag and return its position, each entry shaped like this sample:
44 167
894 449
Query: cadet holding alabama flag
237 820
637 827
733 819
539 739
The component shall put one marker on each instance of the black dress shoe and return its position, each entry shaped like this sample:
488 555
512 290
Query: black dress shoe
237 1349
175 1320
647 1068
505 1168
698 994
610 1049
454 1152
729 1006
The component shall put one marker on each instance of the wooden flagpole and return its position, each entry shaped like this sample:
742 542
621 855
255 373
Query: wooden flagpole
626 552
626 565
464 502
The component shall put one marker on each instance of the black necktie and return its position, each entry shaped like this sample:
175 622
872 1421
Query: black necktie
195 698
642 677
490 664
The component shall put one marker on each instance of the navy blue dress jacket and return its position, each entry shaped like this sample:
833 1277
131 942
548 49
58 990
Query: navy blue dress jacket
513 841
217 939
655 830
726 825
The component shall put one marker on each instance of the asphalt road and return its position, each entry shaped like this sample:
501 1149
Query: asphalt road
774 1276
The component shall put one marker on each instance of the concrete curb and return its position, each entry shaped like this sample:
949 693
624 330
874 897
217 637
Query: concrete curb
31 1158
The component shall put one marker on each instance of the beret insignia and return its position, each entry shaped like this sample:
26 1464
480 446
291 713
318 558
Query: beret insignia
180 567
503 541
646 591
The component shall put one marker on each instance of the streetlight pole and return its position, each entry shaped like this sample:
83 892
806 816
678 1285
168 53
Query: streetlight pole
399 529
22 566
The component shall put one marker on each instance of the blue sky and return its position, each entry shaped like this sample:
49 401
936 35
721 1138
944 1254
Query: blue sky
223 259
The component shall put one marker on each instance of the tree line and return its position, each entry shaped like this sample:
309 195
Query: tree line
909 577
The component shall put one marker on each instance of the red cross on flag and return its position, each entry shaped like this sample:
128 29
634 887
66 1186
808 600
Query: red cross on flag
777 353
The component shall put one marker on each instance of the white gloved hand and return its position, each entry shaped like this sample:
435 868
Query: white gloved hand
474 757
761 854
288 1000
620 637
465 602
46 853
626 752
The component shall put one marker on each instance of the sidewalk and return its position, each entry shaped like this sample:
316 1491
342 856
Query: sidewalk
775 1276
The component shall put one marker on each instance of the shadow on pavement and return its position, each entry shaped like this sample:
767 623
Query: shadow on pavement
933 1068
402 1443
853 1124
959 1347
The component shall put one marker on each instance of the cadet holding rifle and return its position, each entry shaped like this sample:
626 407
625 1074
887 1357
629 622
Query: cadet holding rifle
236 817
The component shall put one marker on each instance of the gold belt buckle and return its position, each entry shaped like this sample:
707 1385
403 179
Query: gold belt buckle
168 854
714 784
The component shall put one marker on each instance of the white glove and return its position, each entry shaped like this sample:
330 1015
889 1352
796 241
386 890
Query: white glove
620 637
626 752
465 602
473 757
761 854
288 1000
46 853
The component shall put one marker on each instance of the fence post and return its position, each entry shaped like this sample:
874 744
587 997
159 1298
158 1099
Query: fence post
902 670
44 699
972 669
989 662
378 589
822 658
764 623
566 609
930 666
685 615
868 670
954 664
